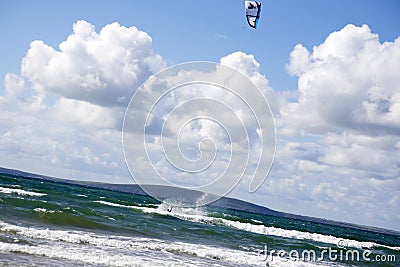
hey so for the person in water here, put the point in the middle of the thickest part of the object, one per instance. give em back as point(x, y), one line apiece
point(169, 209)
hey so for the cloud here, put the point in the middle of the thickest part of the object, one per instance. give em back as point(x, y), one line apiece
point(299, 60)
point(86, 114)
point(103, 68)
point(19, 96)
point(349, 93)
point(249, 66)
point(349, 82)
point(221, 36)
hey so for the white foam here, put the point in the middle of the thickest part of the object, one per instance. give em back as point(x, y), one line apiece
point(110, 218)
point(114, 204)
point(265, 230)
point(274, 231)
point(170, 250)
point(98, 256)
point(40, 210)
point(7, 190)
point(44, 210)
point(76, 253)
point(200, 215)
point(329, 239)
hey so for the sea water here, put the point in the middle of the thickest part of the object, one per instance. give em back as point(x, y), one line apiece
point(46, 223)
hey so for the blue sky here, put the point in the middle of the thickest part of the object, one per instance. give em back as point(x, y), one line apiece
point(332, 83)
point(201, 30)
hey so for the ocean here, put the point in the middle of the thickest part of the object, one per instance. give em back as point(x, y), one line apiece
point(47, 223)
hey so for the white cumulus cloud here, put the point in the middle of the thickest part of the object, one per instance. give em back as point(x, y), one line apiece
point(103, 68)
point(348, 82)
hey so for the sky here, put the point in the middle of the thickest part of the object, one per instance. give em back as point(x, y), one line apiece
point(329, 70)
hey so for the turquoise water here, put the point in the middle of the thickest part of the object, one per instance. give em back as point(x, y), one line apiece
point(44, 223)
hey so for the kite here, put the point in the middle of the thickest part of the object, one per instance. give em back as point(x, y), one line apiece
point(253, 10)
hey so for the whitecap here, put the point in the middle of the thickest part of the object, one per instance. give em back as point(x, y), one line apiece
point(7, 190)
point(199, 215)
point(89, 246)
